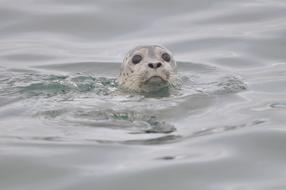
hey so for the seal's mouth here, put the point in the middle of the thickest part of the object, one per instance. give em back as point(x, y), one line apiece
point(155, 80)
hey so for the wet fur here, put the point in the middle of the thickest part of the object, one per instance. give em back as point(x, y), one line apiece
point(133, 77)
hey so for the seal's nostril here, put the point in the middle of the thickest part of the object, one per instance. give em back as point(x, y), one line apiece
point(154, 65)
point(151, 65)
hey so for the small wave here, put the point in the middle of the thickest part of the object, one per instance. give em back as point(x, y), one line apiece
point(87, 100)
point(134, 122)
point(278, 105)
point(220, 85)
point(63, 85)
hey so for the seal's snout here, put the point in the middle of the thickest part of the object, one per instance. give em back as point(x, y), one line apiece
point(154, 65)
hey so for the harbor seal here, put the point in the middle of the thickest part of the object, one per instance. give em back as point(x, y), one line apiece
point(147, 68)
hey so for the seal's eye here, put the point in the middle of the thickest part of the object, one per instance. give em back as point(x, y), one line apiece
point(166, 57)
point(136, 59)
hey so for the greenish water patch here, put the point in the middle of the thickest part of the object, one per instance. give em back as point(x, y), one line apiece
point(78, 84)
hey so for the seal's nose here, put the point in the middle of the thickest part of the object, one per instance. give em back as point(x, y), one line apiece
point(154, 65)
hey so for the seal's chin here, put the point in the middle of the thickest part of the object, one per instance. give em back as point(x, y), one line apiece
point(154, 84)
point(155, 80)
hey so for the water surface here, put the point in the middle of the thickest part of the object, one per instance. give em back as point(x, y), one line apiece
point(64, 123)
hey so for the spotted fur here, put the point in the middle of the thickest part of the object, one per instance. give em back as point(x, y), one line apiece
point(137, 77)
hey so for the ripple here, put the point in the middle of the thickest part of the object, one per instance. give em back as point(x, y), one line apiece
point(80, 99)
point(278, 105)
point(154, 141)
point(229, 128)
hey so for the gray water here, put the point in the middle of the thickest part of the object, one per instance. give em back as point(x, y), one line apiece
point(65, 124)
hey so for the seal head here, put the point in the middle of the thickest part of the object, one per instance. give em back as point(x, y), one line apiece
point(147, 68)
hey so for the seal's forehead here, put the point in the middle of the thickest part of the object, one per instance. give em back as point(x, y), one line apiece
point(151, 49)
